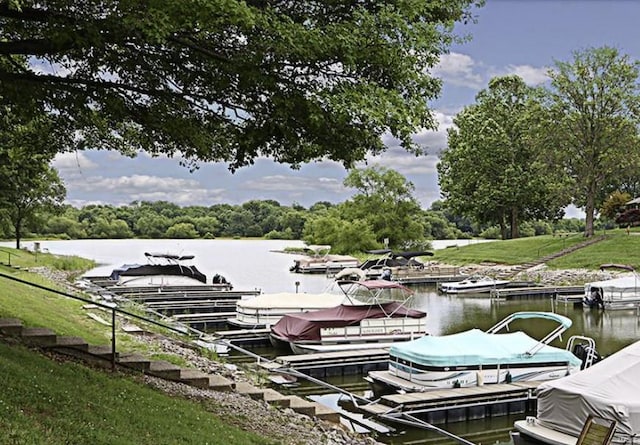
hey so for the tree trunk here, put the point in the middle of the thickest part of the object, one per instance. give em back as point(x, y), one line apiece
point(503, 228)
point(18, 228)
point(515, 228)
point(589, 214)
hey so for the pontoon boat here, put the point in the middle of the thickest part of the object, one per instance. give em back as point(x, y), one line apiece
point(475, 357)
point(375, 314)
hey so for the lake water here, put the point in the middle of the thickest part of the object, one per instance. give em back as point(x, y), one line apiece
point(259, 264)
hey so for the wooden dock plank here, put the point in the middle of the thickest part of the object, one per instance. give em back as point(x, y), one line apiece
point(535, 291)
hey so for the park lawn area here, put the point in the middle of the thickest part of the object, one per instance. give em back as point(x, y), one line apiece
point(44, 401)
point(618, 247)
point(514, 251)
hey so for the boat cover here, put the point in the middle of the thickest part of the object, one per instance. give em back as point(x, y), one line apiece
point(629, 283)
point(291, 300)
point(135, 270)
point(307, 325)
point(476, 347)
point(609, 389)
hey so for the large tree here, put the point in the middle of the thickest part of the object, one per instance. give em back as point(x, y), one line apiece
point(596, 100)
point(496, 169)
point(385, 200)
point(28, 184)
point(229, 80)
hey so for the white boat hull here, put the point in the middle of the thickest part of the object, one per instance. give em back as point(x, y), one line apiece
point(399, 380)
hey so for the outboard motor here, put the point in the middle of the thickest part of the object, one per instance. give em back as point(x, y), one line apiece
point(219, 279)
point(583, 351)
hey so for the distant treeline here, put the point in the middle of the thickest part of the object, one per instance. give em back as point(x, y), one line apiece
point(256, 218)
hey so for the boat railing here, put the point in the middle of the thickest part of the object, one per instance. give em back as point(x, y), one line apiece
point(590, 348)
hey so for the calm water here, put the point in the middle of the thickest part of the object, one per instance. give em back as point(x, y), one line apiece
point(252, 264)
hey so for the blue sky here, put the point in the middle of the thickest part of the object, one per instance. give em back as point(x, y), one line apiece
point(521, 37)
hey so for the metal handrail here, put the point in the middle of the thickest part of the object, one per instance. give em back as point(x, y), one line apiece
point(185, 330)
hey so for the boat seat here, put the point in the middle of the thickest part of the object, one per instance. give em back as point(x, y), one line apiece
point(597, 431)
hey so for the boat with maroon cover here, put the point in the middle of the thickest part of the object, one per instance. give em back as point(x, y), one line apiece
point(375, 314)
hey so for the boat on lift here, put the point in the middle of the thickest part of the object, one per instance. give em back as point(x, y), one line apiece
point(622, 292)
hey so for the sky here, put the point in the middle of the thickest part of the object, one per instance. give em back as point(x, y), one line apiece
point(523, 37)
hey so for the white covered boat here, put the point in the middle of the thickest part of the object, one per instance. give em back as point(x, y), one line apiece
point(618, 293)
point(163, 269)
point(267, 309)
point(318, 262)
point(375, 314)
point(474, 357)
point(610, 389)
point(472, 284)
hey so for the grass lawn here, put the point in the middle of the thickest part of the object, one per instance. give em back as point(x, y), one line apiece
point(618, 247)
point(46, 402)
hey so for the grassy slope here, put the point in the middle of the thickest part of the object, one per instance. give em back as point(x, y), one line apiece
point(40, 401)
point(618, 247)
point(43, 401)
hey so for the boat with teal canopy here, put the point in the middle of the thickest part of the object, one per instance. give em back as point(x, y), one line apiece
point(477, 357)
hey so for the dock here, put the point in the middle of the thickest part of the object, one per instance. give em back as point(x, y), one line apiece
point(457, 404)
point(509, 293)
point(329, 364)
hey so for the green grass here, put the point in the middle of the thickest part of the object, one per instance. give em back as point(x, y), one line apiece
point(618, 247)
point(43, 401)
point(25, 258)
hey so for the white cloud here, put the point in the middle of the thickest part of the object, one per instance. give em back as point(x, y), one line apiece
point(433, 141)
point(296, 184)
point(458, 69)
point(531, 75)
point(71, 162)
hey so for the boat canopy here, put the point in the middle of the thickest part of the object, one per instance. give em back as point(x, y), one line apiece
point(136, 270)
point(609, 389)
point(169, 256)
point(307, 325)
point(476, 347)
point(629, 282)
point(291, 300)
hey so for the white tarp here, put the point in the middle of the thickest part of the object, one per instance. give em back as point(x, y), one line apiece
point(609, 389)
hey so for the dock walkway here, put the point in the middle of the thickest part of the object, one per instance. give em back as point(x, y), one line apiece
point(457, 404)
point(328, 364)
point(509, 293)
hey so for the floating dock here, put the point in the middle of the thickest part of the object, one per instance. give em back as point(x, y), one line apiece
point(329, 364)
point(457, 404)
point(510, 293)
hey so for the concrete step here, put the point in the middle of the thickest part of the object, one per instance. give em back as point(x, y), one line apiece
point(219, 383)
point(273, 397)
point(102, 351)
point(39, 336)
point(68, 342)
point(325, 413)
point(249, 390)
point(165, 370)
point(194, 377)
point(10, 326)
point(135, 361)
point(302, 406)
